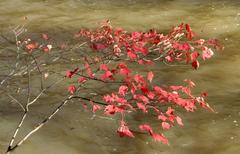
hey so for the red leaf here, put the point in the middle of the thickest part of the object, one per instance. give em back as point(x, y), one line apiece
point(112, 109)
point(207, 53)
point(165, 125)
point(122, 90)
point(160, 138)
point(95, 108)
point(194, 55)
point(124, 70)
point(143, 62)
point(170, 111)
point(176, 87)
point(142, 107)
point(131, 55)
point(179, 121)
point(150, 76)
point(89, 70)
point(123, 130)
point(31, 46)
point(82, 79)
point(45, 36)
point(69, 73)
point(162, 117)
point(136, 35)
point(138, 78)
point(45, 49)
point(189, 33)
point(195, 64)
point(146, 127)
point(200, 42)
point(71, 89)
point(103, 67)
point(99, 46)
point(107, 75)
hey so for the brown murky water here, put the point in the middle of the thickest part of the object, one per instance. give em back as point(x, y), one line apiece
point(74, 131)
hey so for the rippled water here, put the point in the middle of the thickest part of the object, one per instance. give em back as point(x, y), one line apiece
point(74, 131)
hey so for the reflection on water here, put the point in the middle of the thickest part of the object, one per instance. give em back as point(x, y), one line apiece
point(73, 131)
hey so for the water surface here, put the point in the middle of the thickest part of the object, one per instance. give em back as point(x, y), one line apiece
point(74, 131)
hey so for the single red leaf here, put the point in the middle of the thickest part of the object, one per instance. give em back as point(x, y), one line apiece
point(131, 55)
point(195, 64)
point(179, 120)
point(160, 138)
point(150, 76)
point(95, 108)
point(122, 90)
point(45, 36)
point(142, 107)
point(103, 67)
point(72, 89)
point(166, 125)
point(123, 131)
point(146, 127)
point(194, 55)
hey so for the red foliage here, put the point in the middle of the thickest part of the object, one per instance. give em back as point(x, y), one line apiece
point(135, 91)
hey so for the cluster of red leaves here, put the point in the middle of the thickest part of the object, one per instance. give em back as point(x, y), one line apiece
point(45, 46)
point(137, 92)
point(172, 47)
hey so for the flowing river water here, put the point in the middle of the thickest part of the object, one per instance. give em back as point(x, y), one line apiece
point(75, 131)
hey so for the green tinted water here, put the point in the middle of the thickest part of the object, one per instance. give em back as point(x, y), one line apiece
point(73, 131)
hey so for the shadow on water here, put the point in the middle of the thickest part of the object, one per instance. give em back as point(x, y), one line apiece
point(73, 130)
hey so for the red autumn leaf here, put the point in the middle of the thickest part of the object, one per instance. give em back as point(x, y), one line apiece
point(69, 73)
point(150, 76)
point(45, 36)
point(124, 70)
point(146, 127)
point(112, 109)
point(200, 42)
point(170, 111)
point(72, 89)
point(189, 33)
point(179, 120)
point(166, 125)
point(151, 95)
point(99, 46)
point(194, 55)
point(145, 62)
point(103, 67)
point(142, 107)
point(141, 49)
point(169, 58)
point(207, 53)
point(195, 64)
point(176, 87)
point(142, 98)
point(82, 79)
point(95, 108)
point(162, 117)
point(204, 94)
point(123, 131)
point(138, 78)
point(107, 75)
point(122, 90)
point(132, 55)
point(89, 70)
point(45, 49)
point(32, 46)
point(185, 47)
point(160, 138)
point(136, 35)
